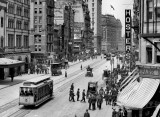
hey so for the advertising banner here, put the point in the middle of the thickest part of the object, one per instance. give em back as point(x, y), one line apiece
point(128, 36)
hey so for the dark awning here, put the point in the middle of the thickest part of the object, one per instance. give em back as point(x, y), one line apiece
point(8, 63)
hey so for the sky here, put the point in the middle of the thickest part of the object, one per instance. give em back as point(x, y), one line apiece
point(119, 9)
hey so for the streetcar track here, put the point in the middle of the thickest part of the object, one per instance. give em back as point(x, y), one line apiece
point(57, 92)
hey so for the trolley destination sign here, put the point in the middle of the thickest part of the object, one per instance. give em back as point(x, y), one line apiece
point(149, 71)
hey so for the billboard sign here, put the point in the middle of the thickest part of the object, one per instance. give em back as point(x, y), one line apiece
point(128, 35)
point(58, 14)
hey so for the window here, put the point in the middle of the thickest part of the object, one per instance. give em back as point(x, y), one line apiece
point(39, 47)
point(92, 9)
point(92, 14)
point(92, 0)
point(26, 12)
point(40, 2)
point(19, 24)
point(149, 54)
point(35, 19)
point(40, 10)
point(19, 10)
point(35, 10)
point(10, 23)
point(11, 8)
point(18, 41)
point(26, 25)
point(26, 2)
point(40, 28)
point(36, 48)
point(1, 21)
point(10, 40)
point(40, 19)
point(92, 4)
point(35, 2)
point(35, 28)
point(26, 41)
point(37, 39)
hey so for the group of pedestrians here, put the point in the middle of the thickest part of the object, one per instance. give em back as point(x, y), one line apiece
point(72, 95)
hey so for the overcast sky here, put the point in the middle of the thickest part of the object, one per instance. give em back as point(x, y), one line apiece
point(119, 9)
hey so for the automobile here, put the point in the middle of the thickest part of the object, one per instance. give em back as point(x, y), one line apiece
point(56, 69)
point(89, 72)
point(92, 88)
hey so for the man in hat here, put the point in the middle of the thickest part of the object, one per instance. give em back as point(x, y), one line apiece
point(83, 96)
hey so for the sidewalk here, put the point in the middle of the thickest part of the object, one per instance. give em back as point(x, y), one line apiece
point(18, 79)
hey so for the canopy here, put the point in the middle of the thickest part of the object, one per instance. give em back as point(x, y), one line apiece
point(138, 93)
point(8, 63)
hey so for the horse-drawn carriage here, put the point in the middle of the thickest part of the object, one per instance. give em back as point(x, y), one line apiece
point(89, 72)
point(92, 88)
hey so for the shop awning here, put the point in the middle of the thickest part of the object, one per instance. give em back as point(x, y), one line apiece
point(138, 93)
point(8, 63)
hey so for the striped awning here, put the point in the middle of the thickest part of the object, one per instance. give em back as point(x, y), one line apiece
point(138, 94)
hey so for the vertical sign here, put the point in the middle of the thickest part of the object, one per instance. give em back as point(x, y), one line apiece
point(128, 35)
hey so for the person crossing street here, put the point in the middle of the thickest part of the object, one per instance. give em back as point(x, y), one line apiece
point(83, 96)
point(78, 94)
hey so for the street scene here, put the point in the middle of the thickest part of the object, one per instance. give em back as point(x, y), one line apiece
point(79, 58)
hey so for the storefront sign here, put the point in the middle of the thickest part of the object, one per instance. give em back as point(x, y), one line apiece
point(149, 71)
point(128, 34)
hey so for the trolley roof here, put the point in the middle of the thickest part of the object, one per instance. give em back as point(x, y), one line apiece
point(37, 80)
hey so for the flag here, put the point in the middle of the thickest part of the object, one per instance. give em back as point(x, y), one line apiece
point(112, 7)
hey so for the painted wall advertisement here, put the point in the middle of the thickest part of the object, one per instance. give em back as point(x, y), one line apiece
point(58, 16)
point(128, 35)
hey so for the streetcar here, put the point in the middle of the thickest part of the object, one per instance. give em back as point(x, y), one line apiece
point(36, 91)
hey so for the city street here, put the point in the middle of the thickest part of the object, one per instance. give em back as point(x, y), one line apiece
point(59, 106)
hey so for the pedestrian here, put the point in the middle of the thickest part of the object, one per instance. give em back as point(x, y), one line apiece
point(72, 86)
point(83, 96)
point(106, 98)
point(114, 113)
point(99, 101)
point(90, 101)
point(94, 102)
point(66, 74)
point(101, 91)
point(12, 72)
point(86, 114)
point(81, 66)
point(72, 96)
point(78, 94)
point(29, 71)
point(120, 113)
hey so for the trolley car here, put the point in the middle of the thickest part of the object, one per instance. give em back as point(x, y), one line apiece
point(36, 91)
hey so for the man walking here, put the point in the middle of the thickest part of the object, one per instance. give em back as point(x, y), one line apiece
point(78, 94)
point(90, 101)
point(83, 96)
point(86, 114)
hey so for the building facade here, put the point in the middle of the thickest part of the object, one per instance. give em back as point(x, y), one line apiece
point(111, 33)
point(95, 8)
point(64, 22)
point(15, 29)
point(42, 28)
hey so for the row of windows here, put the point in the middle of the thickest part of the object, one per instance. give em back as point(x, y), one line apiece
point(18, 24)
point(36, 10)
point(19, 10)
point(23, 1)
point(36, 18)
point(37, 47)
point(36, 2)
point(36, 28)
point(37, 38)
point(18, 41)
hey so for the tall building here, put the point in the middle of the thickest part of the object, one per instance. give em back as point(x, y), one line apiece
point(112, 28)
point(15, 29)
point(95, 7)
point(42, 28)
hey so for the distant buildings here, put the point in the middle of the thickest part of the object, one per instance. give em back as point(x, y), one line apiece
point(42, 29)
point(111, 37)
point(95, 8)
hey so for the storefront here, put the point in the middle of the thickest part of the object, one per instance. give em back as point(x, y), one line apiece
point(6, 65)
point(140, 91)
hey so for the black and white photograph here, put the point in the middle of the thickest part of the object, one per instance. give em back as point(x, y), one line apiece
point(79, 58)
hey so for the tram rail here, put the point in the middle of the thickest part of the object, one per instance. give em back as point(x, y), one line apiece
point(22, 112)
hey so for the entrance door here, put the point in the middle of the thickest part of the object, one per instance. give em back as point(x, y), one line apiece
point(2, 73)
